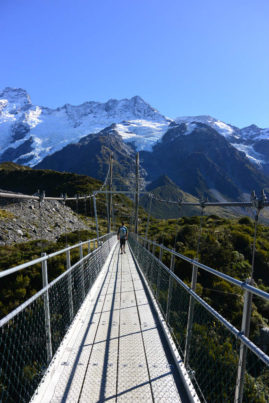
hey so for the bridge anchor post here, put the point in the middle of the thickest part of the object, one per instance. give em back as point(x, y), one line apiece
point(46, 309)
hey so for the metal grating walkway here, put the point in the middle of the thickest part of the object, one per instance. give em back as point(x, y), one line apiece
point(114, 350)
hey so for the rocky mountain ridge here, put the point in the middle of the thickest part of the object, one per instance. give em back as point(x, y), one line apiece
point(29, 133)
point(90, 156)
point(203, 161)
point(252, 140)
point(200, 162)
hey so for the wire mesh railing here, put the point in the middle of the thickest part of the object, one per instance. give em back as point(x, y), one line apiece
point(213, 349)
point(31, 334)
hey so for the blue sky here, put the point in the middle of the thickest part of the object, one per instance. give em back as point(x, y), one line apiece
point(184, 57)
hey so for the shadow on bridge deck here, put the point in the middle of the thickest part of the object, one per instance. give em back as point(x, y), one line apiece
point(115, 349)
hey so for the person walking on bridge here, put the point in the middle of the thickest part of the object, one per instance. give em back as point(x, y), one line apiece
point(122, 237)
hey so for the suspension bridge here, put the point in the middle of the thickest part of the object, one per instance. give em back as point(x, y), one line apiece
point(125, 327)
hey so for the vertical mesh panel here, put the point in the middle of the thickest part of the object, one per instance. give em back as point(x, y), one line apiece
point(256, 388)
point(178, 315)
point(23, 352)
point(23, 355)
point(214, 350)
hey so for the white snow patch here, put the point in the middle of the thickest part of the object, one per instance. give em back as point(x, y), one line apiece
point(223, 128)
point(32, 117)
point(190, 128)
point(143, 133)
point(254, 157)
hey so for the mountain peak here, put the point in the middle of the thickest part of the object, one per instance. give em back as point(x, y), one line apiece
point(251, 128)
point(138, 98)
point(17, 96)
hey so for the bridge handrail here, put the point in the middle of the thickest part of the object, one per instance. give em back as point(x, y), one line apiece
point(32, 332)
point(238, 334)
point(198, 328)
point(22, 266)
point(232, 280)
point(21, 307)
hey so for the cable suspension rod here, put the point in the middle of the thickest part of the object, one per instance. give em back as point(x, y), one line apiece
point(96, 192)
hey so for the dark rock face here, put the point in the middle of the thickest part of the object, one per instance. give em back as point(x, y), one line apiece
point(199, 162)
point(90, 156)
point(262, 147)
point(164, 188)
point(12, 154)
point(19, 131)
point(202, 160)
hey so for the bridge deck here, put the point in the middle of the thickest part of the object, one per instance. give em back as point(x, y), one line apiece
point(114, 350)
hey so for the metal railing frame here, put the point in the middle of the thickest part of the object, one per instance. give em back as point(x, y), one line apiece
point(242, 284)
point(248, 288)
point(46, 285)
point(44, 292)
point(22, 266)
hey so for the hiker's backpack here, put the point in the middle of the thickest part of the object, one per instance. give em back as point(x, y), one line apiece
point(123, 232)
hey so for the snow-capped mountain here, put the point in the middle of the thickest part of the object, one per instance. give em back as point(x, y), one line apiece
point(29, 132)
point(228, 131)
point(202, 161)
point(245, 140)
point(199, 162)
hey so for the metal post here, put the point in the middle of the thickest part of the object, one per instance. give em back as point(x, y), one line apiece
point(147, 266)
point(149, 212)
point(159, 273)
point(96, 218)
point(82, 276)
point(245, 328)
point(152, 263)
point(69, 286)
point(89, 247)
point(96, 259)
point(193, 287)
point(110, 194)
point(190, 315)
point(169, 297)
point(46, 309)
point(136, 193)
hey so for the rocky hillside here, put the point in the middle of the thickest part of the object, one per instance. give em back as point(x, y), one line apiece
point(20, 220)
point(23, 220)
